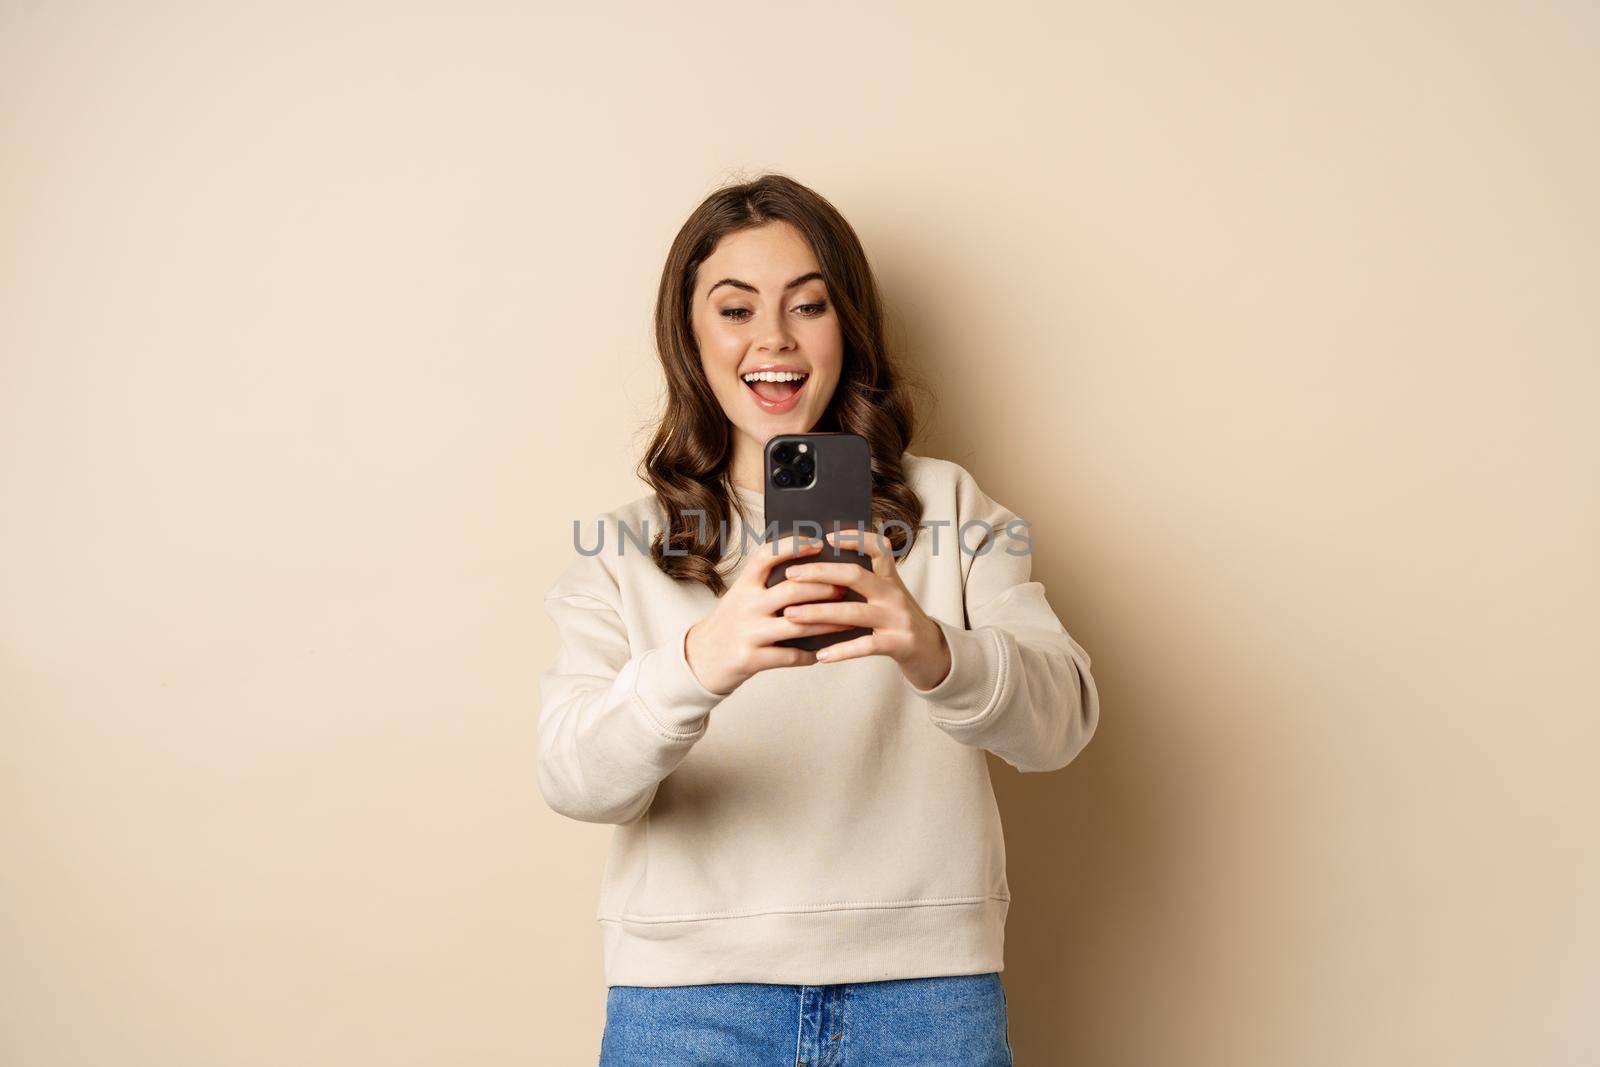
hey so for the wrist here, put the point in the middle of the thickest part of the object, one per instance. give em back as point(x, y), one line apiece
point(933, 666)
point(709, 683)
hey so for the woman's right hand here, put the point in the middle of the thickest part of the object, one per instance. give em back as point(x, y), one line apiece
point(735, 641)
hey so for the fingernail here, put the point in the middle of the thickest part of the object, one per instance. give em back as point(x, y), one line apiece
point(822, 654)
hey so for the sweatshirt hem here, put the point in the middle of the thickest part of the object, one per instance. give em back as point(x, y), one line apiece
point(822, 945)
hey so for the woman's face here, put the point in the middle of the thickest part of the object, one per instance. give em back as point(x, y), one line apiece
point(760, 305)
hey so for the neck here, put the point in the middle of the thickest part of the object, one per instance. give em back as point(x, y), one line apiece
point(746, 467)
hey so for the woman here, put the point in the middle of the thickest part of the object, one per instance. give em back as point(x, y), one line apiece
point(808, 865)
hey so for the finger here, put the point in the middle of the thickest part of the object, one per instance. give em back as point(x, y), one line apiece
point(851, 612)
point(873, 544)
point(789, 591)
point(782, 629)
point(775, 656)
point(851, 575)
point(855, 648)
point(786, 546)
point(772, 553)
point(866, 542)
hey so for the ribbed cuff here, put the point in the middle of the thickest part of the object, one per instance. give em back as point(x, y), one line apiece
point(977, 675)
point(670, 693)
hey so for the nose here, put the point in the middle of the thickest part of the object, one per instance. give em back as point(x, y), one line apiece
point(775, 336)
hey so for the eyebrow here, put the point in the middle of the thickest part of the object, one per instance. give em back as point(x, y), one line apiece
point(747, 287)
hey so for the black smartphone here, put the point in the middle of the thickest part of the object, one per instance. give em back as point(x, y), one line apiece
point(816, 482)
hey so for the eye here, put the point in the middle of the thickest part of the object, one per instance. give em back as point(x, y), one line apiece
point(810, 311)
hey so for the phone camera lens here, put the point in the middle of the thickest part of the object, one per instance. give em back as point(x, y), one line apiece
point(782, 478)
point(805, 465)
point(783, 453)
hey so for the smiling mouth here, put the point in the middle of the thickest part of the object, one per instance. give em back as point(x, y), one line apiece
point(775, 391)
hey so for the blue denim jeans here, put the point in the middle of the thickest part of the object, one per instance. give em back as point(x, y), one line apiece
point(956, 1021)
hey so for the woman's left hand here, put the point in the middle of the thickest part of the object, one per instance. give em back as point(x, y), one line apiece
point(900, 628)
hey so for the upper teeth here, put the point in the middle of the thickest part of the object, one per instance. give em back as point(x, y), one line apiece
point(774, 376)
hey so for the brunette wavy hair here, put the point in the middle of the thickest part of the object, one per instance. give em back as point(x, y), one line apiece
point(689, 457)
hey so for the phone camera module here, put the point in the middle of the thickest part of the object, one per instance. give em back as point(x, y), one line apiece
point(793, 466)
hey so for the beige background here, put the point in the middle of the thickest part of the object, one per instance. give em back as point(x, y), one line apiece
point(320, 322)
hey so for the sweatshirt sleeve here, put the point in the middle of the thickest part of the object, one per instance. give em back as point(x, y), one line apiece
point(1019, 685)
point(612, 722)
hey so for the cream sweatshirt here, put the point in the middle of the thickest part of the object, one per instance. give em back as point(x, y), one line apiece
point(820, 824)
